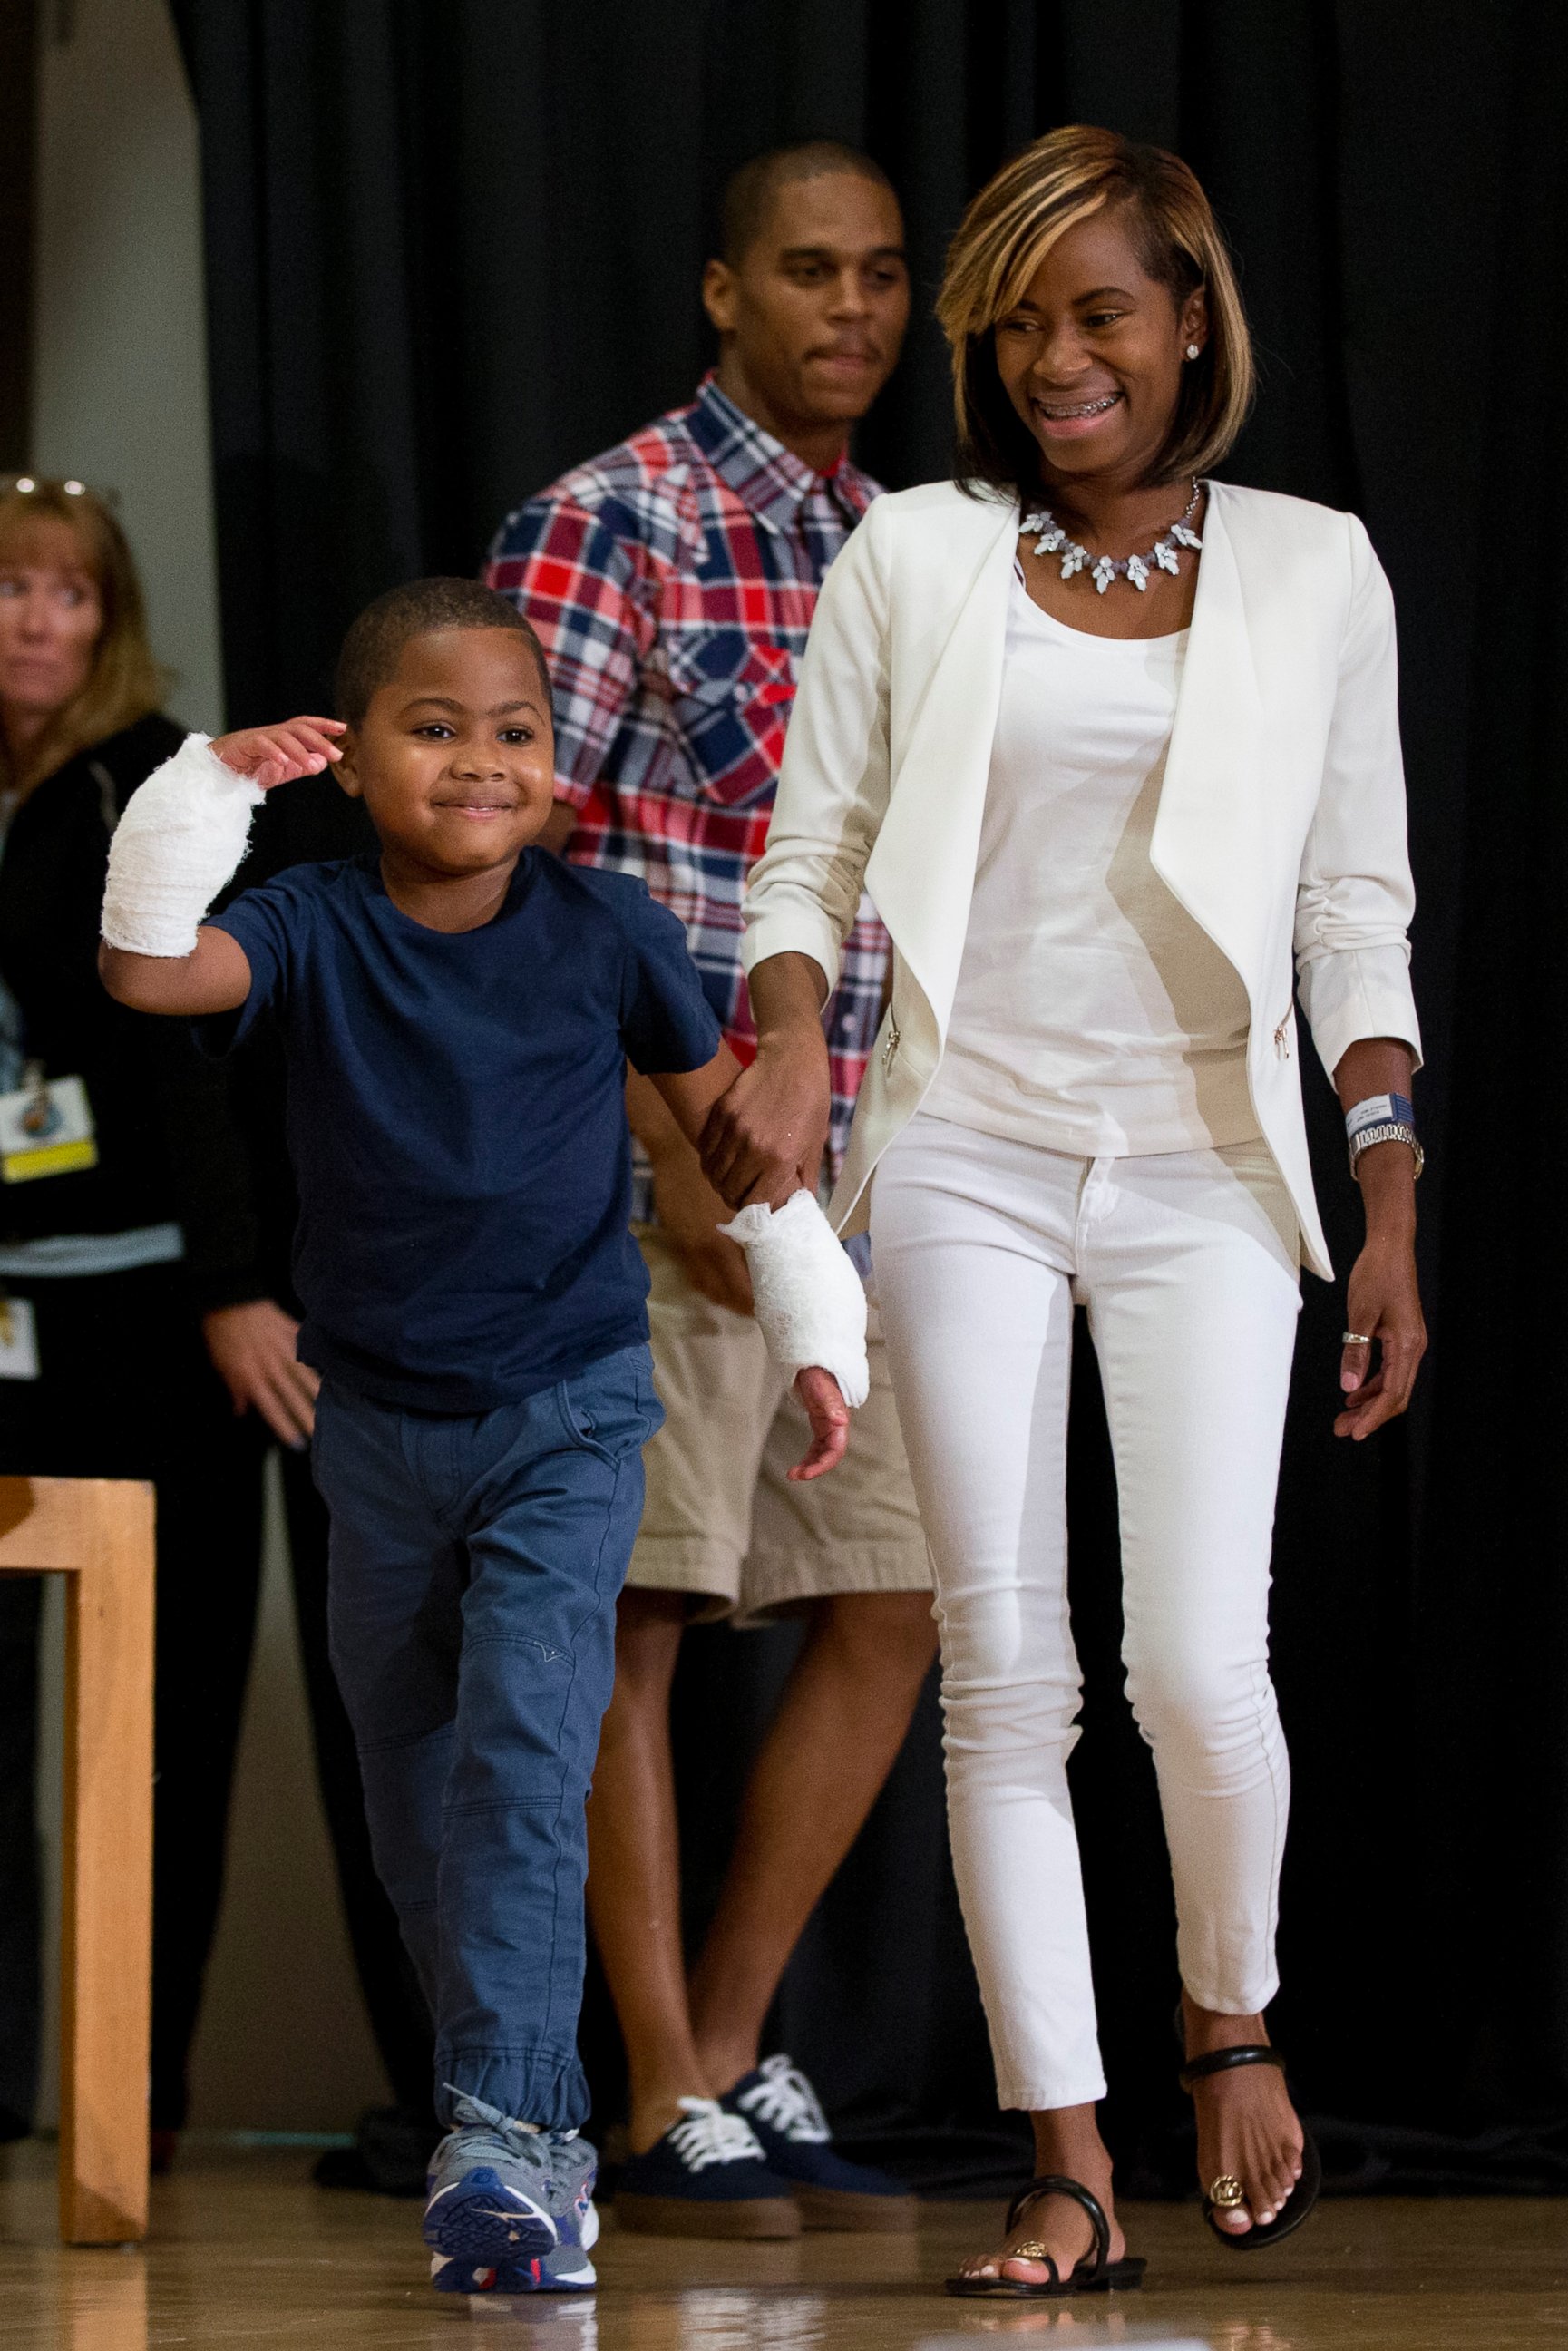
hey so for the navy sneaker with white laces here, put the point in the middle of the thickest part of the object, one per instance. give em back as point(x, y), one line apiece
point(706, 2178)
point(784, 2111)
point(509, 2209)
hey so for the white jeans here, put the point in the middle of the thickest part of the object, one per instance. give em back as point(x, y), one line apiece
point(1189, 1266)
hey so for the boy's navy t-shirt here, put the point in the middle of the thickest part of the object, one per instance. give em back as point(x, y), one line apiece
point(457, 1120)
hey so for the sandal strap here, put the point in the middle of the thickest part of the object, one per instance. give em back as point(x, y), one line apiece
point(1220, 2061)
point(1056, 2183)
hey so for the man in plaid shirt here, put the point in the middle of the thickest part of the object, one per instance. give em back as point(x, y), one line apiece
point(672, 581)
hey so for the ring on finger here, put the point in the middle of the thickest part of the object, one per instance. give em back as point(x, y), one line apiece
point(1356, 1339)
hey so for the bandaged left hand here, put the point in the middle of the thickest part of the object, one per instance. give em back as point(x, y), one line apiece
point(811, 1310)
point(830, 1418)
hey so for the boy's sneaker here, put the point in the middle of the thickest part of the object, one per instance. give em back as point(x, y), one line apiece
point(783, 2111)
point(565, 2271)
point(509, 2209)
point(706, 2178)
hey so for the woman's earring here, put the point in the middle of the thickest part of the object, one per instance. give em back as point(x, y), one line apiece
point(1192, 350)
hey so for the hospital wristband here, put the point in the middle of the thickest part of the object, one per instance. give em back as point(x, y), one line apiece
point(1378, 1110)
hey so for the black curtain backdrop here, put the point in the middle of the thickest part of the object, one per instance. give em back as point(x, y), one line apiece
point(453, 248)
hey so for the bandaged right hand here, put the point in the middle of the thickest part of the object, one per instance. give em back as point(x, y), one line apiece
point(276, 755)
point(185, 829)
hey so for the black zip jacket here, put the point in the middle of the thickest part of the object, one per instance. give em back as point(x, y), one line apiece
point(168, 1145)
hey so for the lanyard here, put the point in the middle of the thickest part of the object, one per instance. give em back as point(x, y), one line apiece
point(13, 1057)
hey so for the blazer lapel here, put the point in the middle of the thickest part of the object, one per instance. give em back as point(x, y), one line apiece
point(921, 873)
point(1210, 844)
point(1211, 837)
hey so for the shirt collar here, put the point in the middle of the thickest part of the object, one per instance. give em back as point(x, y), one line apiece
point(769, 479)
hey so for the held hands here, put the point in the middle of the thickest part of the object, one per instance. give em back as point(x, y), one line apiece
point(276, 755)
point(765, 1138)
point(786, 1268)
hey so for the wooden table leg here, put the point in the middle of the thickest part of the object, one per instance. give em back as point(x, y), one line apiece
point(98, 1533)
point(107, 1894)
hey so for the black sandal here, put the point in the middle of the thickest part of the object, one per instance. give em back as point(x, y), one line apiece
point(1095, 2273)
point(1302, 2196)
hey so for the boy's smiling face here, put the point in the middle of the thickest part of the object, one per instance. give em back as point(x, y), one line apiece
point(454, 758)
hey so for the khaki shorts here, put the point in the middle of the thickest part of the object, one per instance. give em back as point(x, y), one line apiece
point(722, 1521)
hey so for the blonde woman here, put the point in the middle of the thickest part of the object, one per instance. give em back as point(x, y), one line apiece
point(127, 1238)
point(1113, 747)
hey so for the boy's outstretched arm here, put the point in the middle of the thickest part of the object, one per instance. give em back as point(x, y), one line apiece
point(214, 977)
point(181, 838)
point(690, 1095)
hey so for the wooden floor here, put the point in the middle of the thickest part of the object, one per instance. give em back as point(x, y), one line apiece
point(245, 2251)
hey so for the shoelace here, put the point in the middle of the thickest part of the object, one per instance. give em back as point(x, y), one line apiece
point(526, 2147)
point(787, 2102)
point(711, 2136)
point(497, 2134)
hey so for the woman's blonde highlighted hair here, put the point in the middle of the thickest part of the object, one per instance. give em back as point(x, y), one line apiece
point(125, 683)
point(1005, 235)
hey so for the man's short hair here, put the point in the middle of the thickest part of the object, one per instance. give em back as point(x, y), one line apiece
point(373, 646)
point(748, 193)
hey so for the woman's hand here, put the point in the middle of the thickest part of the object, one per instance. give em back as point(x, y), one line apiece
point(252, 1348)
point(830, 1418)
point(765, 1138)
point(276, 755)
point(1383, 1302)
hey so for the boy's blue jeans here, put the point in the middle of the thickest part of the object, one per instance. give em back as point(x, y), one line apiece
point(474, 1567)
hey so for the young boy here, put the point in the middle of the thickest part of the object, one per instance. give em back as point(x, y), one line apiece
point(458, 1013)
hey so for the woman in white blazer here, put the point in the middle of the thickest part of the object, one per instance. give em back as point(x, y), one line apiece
point(1114, 748)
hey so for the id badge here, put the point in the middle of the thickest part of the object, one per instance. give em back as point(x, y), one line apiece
point(18, 1340)
point(45, 1128)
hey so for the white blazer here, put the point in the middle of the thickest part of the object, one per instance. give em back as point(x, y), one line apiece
point(1281, 820)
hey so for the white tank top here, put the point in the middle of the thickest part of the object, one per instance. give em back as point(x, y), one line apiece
point(1093, 1015)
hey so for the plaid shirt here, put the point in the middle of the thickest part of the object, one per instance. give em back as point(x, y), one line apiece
point(672, 582)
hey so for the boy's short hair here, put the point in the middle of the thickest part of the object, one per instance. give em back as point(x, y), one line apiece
point(373, 646)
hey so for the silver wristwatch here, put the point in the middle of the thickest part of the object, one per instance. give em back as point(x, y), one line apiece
point(1391, 1131)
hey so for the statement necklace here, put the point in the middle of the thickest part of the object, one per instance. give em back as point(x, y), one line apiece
point(1104, 568)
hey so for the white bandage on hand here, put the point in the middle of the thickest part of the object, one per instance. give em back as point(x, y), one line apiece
point(179, 840)
point(811, 1306)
